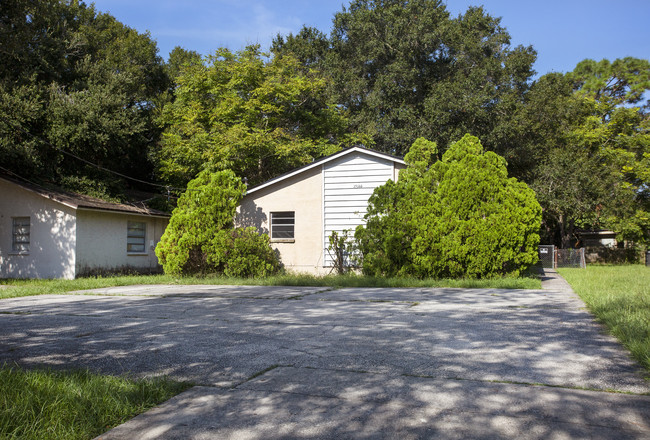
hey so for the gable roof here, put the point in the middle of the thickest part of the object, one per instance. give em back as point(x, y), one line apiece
point(80, 201)
point(324, 160)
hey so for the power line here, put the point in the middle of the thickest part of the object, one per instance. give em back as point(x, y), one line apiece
point(132, 203)
point(48, 143)
point(19, 177)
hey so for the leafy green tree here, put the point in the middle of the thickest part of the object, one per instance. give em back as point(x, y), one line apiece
point(595, 176)
point(201, 238)
point(259, 118)
point(460, 216)
point(81, 81)
point(179, 59)
point(571, 185)
point(406, 68)
point(309, 46)
point(612, 84)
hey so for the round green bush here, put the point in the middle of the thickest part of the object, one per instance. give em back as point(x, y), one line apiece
point(457, 217)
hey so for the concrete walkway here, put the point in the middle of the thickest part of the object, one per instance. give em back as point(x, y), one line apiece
point(286, 362)
point(551, 280)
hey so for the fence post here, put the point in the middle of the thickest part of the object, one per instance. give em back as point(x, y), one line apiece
point(583, 262)
point(554, 258)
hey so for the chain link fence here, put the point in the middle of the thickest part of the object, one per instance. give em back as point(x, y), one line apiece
point(570, 258)
point(551, 257)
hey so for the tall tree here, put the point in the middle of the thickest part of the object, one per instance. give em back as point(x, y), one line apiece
point(593, 172)
point(406, 68)
point(179, 59)
point(618, 130)
point(257, 117)
point(88, 85)
point(310, 46)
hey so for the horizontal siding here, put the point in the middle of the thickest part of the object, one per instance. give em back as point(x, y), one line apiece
point(336, 209)
point(348, 183)
point(356, 197)
point(347, 179)
point(346, 172)
point(344, 215)
point(343, 204)
point(348, 192)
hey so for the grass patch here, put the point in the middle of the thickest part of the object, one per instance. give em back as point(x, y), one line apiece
point(46, 404)
point(16, 288)
point(619, 296)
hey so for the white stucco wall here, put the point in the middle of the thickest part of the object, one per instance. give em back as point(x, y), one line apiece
point(331, 196)
point(303, 195)
point(101, 241)
point(52, 235)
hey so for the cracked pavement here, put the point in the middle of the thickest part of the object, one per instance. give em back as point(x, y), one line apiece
point(311, 362)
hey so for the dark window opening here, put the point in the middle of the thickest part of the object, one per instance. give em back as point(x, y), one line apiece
point(282, 224)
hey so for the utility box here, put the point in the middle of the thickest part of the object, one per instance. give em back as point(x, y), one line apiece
point(547, 256)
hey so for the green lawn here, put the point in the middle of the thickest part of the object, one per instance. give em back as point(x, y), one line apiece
point(619, 296)
point(44, 404)
point(15, 288)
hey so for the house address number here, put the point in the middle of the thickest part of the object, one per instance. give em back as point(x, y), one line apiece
point(357, 186)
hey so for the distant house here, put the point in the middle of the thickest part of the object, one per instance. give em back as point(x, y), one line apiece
point(54, 234)
point(299, 210)
point(598, 238)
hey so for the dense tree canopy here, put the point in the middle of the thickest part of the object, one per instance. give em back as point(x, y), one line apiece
point(594, 173)
point(80, 81)
point(75, 81)
point(259, 118)
point(406, 69)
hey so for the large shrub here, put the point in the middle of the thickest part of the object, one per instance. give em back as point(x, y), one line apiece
point(200, 237)
point(458, 217)
point(243, 252)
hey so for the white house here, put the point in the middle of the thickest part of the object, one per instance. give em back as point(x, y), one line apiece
point(55, 234)
point(300, 209)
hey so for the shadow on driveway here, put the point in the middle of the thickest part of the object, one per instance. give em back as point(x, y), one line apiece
point(308, 363)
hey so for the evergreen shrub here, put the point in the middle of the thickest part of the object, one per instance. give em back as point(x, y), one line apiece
point(201, 238)
point(457, 217)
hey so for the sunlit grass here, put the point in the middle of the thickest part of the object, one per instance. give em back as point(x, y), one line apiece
point(619, 296)
point(16, 288)
point(46, 404)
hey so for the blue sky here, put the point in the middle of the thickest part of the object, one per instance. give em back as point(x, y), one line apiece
point(562, 32)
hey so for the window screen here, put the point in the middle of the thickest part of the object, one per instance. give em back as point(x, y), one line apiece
point(135, 237)
point(20, 234)
point(282, 224)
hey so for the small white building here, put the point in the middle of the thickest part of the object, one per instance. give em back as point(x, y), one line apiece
point(598, 238)
point(300, 209)
point(55, 234)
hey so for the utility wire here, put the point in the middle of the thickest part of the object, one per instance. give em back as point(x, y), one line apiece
point(48, 143)
point(132, 203)
point(19, 177)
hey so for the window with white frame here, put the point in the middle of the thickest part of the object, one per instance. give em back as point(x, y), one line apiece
point(20, 234)
point(136, 237)
point(283, 225)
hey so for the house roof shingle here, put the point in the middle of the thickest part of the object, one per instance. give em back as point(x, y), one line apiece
point(80, 201)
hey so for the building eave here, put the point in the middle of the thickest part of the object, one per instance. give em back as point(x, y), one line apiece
point(322, 161)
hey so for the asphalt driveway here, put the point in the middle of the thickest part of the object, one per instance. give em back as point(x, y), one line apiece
point(291, 362)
